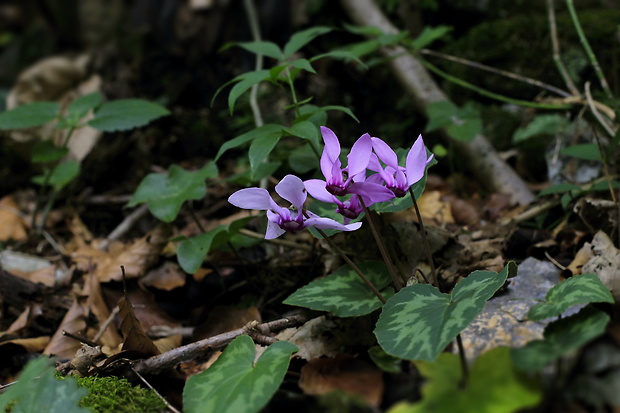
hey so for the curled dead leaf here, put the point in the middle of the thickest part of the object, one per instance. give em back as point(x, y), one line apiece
point(12, 224)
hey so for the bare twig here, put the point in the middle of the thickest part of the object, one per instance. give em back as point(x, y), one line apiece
point(555, 45)
point(122, 228)
point(192, 351)
point(500, 72)
point(168, 405)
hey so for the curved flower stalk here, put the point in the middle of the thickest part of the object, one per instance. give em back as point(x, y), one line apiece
point(349, 180)
point(398, 178)
point(281, 219)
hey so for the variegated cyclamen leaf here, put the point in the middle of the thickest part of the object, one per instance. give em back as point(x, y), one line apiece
point(419, 321)
point(343, 293)
point(580, 289)
point(234, 383)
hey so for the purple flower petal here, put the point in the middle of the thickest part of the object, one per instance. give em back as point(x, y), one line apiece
point(316, 188)
point(327, 223)
point(293, 190)
point(385, 153)
point(251, 198)
point(416, 162)
point(360, 155)
point(371, 192)
point(273, 228)
point(332, 145)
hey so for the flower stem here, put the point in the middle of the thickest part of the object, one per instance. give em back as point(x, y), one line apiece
point(464, 367)
point(352, 265)
point(425, 240)
point(396, 279)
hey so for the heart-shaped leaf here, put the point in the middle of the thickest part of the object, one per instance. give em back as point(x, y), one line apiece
point(494, 386)
point(561, 337)
point(419, 321)
point(164, 193)
point(580, 289)
point(343, 293)
point(235, 383)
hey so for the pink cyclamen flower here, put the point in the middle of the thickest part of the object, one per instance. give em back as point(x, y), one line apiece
point(350, 180)
point(398, 178)
point(280, 219)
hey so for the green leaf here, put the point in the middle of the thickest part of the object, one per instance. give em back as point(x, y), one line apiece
point(303, 159)
point(305, 130)
point(61, 175)
point(268, 49)
point(587, 151)
point(384, 361)
point(577, 290)
point(28, 115)
point(494, 386)
point(541, 125)
point(303, 64)
point(164, 193)
point(82, 105)
point(462, 124)
point(126, 114)
point(300, 39)
point(429, 35)
point(260, 148)
point(560, 338)
point(370, 31)
point(244, 83)
point(192, 251)
point(234, 383)
point(39, 391)
point(343, 293)
point(46, 151)
point(419, 321)
point(559, 189)
point(269, 129)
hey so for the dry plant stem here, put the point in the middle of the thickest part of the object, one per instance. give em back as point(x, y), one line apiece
point(352, 265)
point(427, 246)
point(555, 45)
point(106, 324)
point(168, 405)
point(396, 279)
point(127, 223)
point(169, 359)
point(592, 105)
point(478, 155)
point(588, 49)
point(500, 72)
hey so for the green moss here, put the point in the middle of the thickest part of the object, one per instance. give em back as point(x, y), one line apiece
point(112, 394)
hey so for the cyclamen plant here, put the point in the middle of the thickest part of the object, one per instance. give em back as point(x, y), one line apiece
point(389, 182)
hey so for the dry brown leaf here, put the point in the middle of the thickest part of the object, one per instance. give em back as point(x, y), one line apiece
point(31, 345)
point(432, 208)
point(11, 223)
point(356, 377)
point(464, 213)
point(582, 256)
point(137, 257)
point(73, 322)
point(222, 319)
point(25, 318)
point(166, 277)
point(168, 343)
point(135, 339)
point(45, 276)
point(604, 262)
point(97, 305)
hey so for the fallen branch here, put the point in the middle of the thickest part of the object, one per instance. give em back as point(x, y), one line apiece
point(169, 359)
point(479, 155)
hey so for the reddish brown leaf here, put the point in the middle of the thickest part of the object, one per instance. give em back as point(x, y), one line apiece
point(135, 339)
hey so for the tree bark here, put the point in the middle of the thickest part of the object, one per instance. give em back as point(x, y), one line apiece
point(479, 155)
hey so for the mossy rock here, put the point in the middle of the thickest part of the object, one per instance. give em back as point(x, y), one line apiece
point(522, 44)
point(113, 394)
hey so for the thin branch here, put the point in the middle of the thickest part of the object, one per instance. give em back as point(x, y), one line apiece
point(586, 46)
point(168, 405)
point(500, 72)
point(555, 45)
point(169, 359)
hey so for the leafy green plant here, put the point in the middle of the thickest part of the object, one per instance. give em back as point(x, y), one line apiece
point(111, 116)
point(236, 383)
